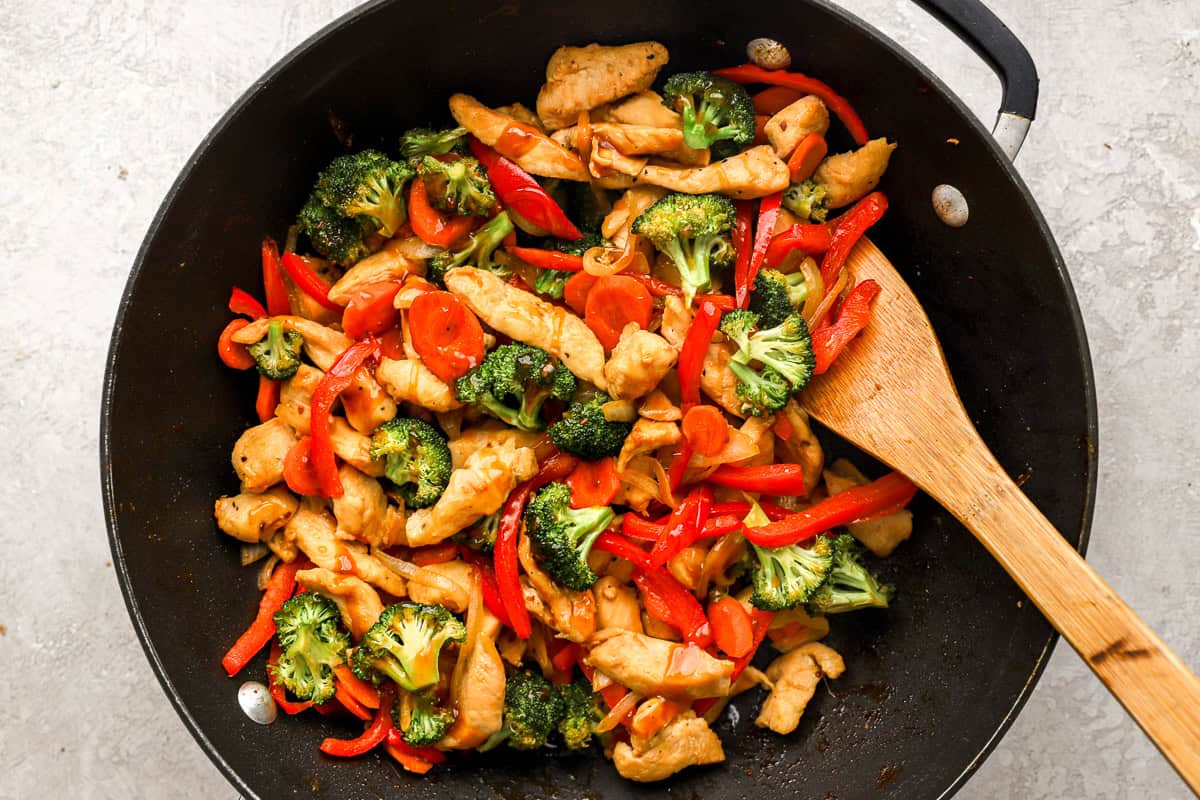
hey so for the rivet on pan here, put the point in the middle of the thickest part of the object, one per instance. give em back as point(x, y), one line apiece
point(257, 703)
point(950, 205)
point(768, 54)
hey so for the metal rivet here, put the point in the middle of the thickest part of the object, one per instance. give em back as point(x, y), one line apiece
point(950, 205)
point(768, 54)
point(257, 703)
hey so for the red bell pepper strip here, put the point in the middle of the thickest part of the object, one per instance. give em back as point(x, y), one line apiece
point(772, 100)
point(691, 354)
point(759, 620)
point(232, 354)
point(740, 508)
point(621, 547)
point(843, 508)
point(660, 288)
point(847, 230)
point(683, 526)
point(828, 341)
point(741, 235)
point(487, 584)
point(749, 73)
point(548, 259)
point(279, 589)
point(242, 302)
point(781, 480)
point(375, 734)
point(336, 380)
point(768, 212)
point(430, 225)
point(278, 693)
point(809, 238)
point(679, 462)
point(267, 399)
point(309, 282)
point(273, 286)
point(667, 600)
point(366, 694)
point(350, 703)
point(414, 759)
point(519, 192)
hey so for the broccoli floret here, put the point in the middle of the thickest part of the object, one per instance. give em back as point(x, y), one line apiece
point(714, 109)
point(417, 143)
point(762, 392)
point(807, 200)
point(416, 459)
point(428, 721)
point(459, 185)
point(404, 645)
point(851, 586)
point(552, 282)
point(579, 715)
point(367, 186)
point(478, 252)
point(583, 431)
point(776, 295)
point(788, 576)
point(277, 355)
point(482, 535)
point(785, 348)
point(562, 536)
point(691, 230)
point(342, 240)
point(513, 383)
point(532, 710)
point(312, 645)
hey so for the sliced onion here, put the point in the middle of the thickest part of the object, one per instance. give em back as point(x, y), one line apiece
point(618, 712)
point(648, 475)
point(814, 286)
point(727, 550)
point(583, 134)
point(619, 411)
point(828, 300)
point(602, 261)
point(413, 247)
point(264, 572)
point(253, 552)
point(423, 576)
point(659, 408)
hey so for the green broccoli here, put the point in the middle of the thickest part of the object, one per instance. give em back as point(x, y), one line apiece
point(579, 717)
point(427, 723)
point(482, 535)
point(478, 252)
point(691, 230)
point(851, 586)
point(762, 392)
point(563, 536)
point(785, 348)
point(807, 200)
point(714, 109)
point(404, 645)
point(776, 295)
point(788, 576)
point(583, 431)
point(513, 383)
point(552, 282)
point(368, 186)
point(342, 240)
point(416, 459)
point(459, 185)
point(532, 710)
point(277, 354)
point(312, 645)
point(417, 143)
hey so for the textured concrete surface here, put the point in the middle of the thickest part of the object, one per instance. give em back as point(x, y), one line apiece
point(104, 100)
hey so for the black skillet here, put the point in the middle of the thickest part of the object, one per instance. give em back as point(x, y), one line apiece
point(931, 684)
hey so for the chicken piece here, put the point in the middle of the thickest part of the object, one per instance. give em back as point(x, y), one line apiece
point(359, 603)
point(479, 488)
point(794, 627)
point(643, 108)
point(479, 701)
point(581, 78)
point(259, 452)
point(619, 220)
point(394, 520)
point(490, 434)
point(638, 363)
point(542, 155)
point(460, 573)
point(761, 432)
point(283, 544)
point(527, 318)
point(252, 518)
point(410, 381)
point(354, 448)
point(522, 113)
point(788, 127)
point(295, 398)
point(646, 437)
point(572, 614)
point(389, 264)
point(802, 446)
point(651, 666)
point(676, 320)
point(757, 172)
point(316, 534)
point(847, 177)
point(361, 511)
point(685, 741)
point(630, 140)
point(749, 678)
point(717, 379)
point(687, 566)
point(617, 605)
point(366, 403)
point(881, 536)
point(605, 162)
point(511, 647)
point(658, 407)
point(796, 676)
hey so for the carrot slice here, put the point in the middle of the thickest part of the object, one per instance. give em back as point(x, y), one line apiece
point(807, 156)
point(705, 429)
point(594, 483)
point(614, 302)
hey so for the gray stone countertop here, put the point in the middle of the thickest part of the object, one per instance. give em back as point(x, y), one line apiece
point(105, 99)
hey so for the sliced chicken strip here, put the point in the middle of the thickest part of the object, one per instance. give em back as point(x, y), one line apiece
point(638, 363)
point(490, 435)
point(572, 614)
point(295, 398)
point(410, 381)
point(685, 741)
point(259, 452)
point(253, 518)
point(459, 573)
point(542, 155)
point(359, 603)
point(651, 666)
point(316, 534)
point(796, 676)
point(646, 437)
point(389, 264)
point(522, 113)
point(757, 172)
point(643, 108)
point(848, 177)
point(717, 379)
point(617, 605)
point(581, 78)
point(361, 511)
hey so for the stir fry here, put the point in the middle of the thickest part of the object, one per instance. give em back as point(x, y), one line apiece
point(531, 469)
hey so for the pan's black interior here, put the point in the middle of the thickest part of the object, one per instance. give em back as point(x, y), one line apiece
point(929, 684)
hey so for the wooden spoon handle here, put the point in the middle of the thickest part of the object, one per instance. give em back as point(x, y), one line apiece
point(1147, 678)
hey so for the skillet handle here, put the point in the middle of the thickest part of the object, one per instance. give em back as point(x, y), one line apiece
point(991, 39)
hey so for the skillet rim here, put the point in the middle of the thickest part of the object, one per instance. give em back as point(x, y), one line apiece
point(350, 17)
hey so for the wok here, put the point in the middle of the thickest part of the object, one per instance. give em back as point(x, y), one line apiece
point(931, 683)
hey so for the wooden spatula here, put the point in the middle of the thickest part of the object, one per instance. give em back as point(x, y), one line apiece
point(890, 393)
